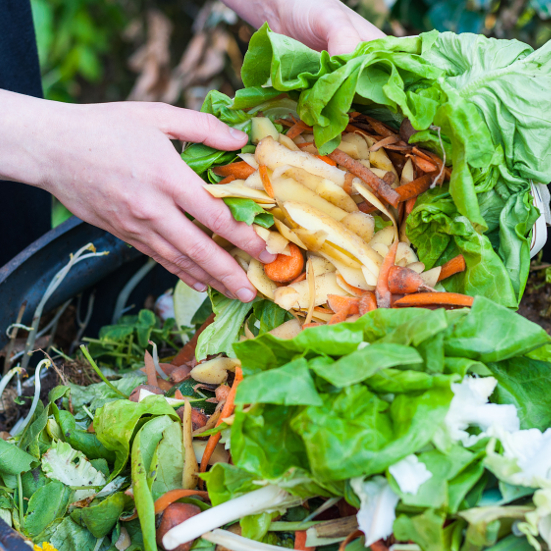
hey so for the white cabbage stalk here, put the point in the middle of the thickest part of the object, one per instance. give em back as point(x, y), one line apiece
point(269, 498)
point(233, 542)
point(378, 507)
point(470, 407)
point(410, 474)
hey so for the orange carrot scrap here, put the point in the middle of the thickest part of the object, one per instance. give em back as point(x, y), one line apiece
point(339, 303)
point(227, 180)
point(453, 266)
point(285, 268)
point(187, 352)
point(351, 537)
point(389, 140)
point(416, 187)
point(150, 370)
point(338, 317)
point(300, 541)
point(368, 303)
point(382, 292)
point(174, 495)
point(451, 300)
point(410, 205)
point(327, 160)
point(263, 170)
point(366, 208)
point(311, 324)
point(423, 164)
point(299, 278)
point(227, 410)
point(178, 395)
point(380, 187)
point(240, 170)
point(403, 281)
point(304, 145)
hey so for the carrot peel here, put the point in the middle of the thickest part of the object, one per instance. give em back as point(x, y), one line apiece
point(420, 300)
point(227, 410)
point(174, 495)
point(241, 170)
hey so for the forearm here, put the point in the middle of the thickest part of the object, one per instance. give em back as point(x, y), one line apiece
point(22, 140)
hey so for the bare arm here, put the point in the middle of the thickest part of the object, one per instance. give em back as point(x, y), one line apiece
point(320, 24)
point(113, 165)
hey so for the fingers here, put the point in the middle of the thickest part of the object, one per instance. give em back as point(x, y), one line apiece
point(184, 245)
point(345, 30)
point(192, 126)
point(214, 214)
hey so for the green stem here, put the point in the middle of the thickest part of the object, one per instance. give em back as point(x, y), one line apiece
point(98, 371)
point(291, 526)
point(20, 496)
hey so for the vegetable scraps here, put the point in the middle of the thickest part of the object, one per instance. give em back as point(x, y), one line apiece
point(454, 126)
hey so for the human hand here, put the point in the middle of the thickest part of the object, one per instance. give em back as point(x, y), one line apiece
point(320, 24)
point(113, 165)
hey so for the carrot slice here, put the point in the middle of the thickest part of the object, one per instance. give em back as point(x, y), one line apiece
point(174, 495)
point(380, 187)
point(382, 292)
point(240, 170)
point(368, 302)
point(326, 159)
point(227, 180)
point(286, 268)
point(416, 187)
point(300, 541)
point(227, 410)
point(299, 278)
point(263, 170)
point(453, 266)
point(187, 352)
point(452, 300)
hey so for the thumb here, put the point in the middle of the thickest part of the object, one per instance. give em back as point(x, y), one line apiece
point(192, 126)
point(343, 41)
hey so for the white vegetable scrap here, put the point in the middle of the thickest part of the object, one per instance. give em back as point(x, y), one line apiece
point(269, 498)
point(526, 459)
point(64, 463)
point(470, 407)
point(410, 474)
point(378, 507)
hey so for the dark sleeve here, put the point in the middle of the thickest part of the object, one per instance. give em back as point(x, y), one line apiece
point(26, 211)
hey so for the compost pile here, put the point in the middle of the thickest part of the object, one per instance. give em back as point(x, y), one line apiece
point(330, 413)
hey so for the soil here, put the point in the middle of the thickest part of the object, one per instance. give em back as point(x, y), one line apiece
point(536, 302)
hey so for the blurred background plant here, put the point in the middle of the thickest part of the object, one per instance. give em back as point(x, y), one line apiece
point(177, 50)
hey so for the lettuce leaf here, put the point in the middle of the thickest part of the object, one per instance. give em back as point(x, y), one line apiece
point(489, 100)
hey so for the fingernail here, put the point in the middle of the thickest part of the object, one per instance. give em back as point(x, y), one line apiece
point(237, 134)
point(245, 295)
point(267, 257)
point(200, 287)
